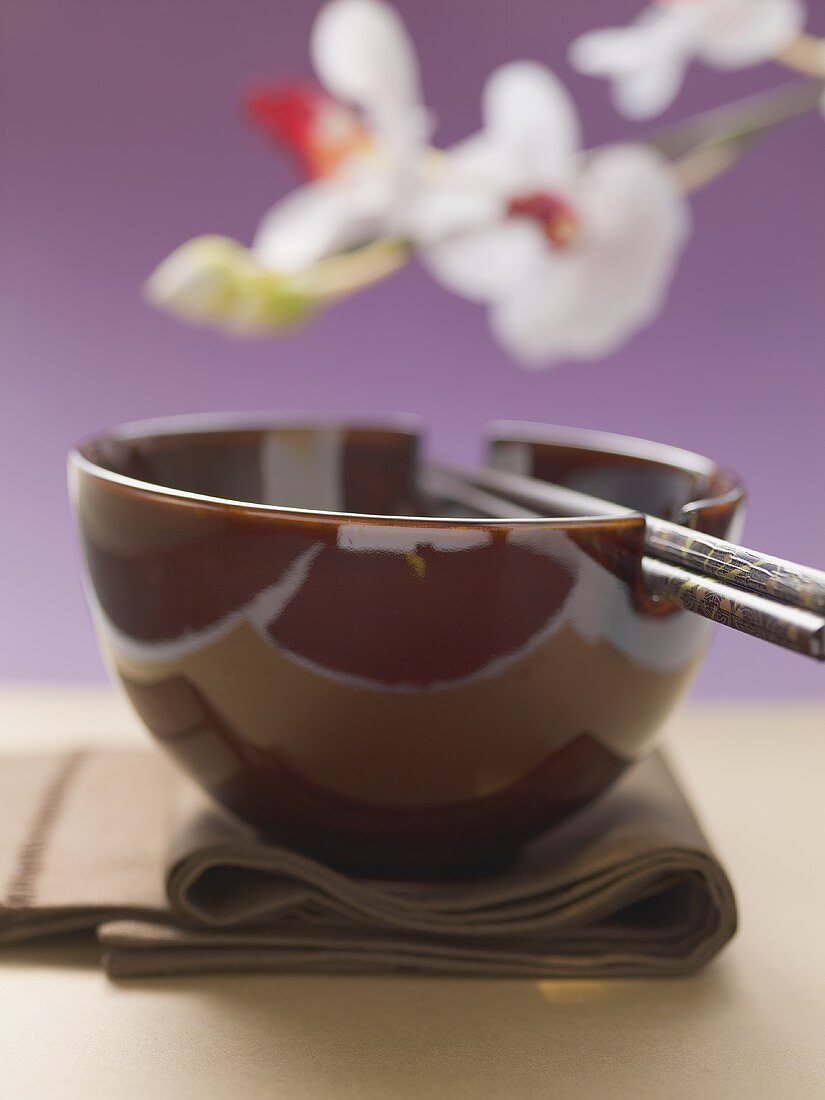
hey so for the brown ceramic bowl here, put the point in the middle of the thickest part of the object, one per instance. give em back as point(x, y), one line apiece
point(396, 694)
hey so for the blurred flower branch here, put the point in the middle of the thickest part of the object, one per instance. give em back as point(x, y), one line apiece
point(709, 144)
point(571, 251)
point(805, 54)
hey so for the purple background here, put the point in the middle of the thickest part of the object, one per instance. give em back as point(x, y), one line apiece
point(122, 137)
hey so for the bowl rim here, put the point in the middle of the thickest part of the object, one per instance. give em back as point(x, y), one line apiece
point(201, 423)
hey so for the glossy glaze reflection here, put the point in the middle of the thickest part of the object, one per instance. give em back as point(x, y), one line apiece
point(396, 695)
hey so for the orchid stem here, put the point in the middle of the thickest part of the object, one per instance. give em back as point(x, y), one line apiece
point(702, 166)
point(744, 118)
point(711, 143)
point(344, 273)
point(806, 54)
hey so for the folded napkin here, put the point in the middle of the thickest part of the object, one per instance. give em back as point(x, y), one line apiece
point(122, 843)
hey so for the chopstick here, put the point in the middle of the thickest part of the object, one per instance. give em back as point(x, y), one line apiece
point(794, 628)
point(780, 624)
point(762, 574)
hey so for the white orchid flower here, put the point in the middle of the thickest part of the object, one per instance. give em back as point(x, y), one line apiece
point(646, 60)
point(573, 254)
point(366, 164)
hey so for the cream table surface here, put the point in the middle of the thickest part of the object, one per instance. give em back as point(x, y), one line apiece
point(752, 1025)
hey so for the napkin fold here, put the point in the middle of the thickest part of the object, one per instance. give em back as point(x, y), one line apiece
point(122, 843)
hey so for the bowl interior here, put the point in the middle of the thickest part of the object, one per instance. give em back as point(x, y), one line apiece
point(318, 467)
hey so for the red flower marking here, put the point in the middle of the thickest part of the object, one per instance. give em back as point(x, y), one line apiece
point(319, 131)
point(554, 215)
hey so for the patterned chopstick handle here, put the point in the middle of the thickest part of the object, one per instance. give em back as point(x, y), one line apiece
point(790, 627)
point(737, 566)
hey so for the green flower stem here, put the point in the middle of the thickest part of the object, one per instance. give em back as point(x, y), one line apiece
point(348, 272)
point(711, 143)
point(746, 117)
